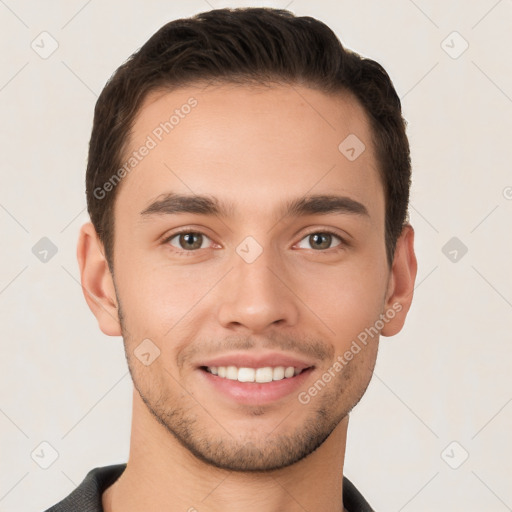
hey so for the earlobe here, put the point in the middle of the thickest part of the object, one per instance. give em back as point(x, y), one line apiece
point(97, 283)
point(401, 283)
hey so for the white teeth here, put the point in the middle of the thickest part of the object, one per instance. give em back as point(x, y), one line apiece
point(246, 374)
point(278, 373)
point(289, 372)
point(261, 375)
point(232, 373)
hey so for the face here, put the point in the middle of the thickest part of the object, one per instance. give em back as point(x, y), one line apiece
point(252, 288)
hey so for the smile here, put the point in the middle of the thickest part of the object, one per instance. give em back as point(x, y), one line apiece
point(259, 375)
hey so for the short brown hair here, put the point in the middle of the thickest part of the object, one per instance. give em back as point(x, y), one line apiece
point(247, 45)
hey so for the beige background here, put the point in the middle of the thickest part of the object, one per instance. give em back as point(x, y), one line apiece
point(444, 378)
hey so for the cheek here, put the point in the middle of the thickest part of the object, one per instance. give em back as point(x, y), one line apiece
point(155, 299)
point(347, 298)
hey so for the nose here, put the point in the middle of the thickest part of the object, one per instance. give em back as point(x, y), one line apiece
point(257, 296)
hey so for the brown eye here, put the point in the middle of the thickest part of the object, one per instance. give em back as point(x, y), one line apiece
point(188, 241)
point(321, 240)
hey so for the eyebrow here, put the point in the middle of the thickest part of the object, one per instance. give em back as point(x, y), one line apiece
point(172, 203)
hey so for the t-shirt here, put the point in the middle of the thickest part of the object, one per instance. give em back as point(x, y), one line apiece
point(87, 496)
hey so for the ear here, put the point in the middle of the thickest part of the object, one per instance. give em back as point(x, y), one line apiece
point(401, 283)
point(97, 282)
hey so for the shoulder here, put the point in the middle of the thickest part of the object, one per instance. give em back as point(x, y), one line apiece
point(353, 500)
point(87, 496)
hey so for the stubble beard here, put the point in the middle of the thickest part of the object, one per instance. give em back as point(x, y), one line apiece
point(190, 423)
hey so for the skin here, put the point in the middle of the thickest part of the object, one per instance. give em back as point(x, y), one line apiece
point(255, 146)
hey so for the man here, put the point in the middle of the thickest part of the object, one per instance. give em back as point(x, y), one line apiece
point(248, 183)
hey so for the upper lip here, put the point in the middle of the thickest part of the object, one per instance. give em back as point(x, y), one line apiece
point(259, 360)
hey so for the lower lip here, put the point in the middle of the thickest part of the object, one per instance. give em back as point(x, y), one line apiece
point(256, 393)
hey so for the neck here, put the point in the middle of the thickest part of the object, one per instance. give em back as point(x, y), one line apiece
point(163, 475)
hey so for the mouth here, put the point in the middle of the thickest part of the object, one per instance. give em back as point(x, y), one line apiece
point(256, 386)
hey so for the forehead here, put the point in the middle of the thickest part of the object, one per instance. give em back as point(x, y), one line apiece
point(251, 145)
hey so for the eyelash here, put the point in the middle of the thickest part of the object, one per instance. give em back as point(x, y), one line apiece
point(185, 253)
